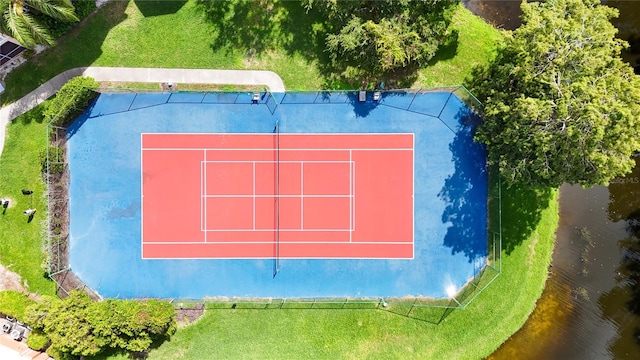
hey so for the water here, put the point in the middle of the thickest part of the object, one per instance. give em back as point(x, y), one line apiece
point(590, 308)
point(587, 308)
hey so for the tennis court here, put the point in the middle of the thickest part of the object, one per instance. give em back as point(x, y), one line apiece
point(193, 195)
point(272, 196)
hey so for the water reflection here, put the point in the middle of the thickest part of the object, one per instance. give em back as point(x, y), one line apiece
point(589, 309)
point(503, 14)
point(622, 304)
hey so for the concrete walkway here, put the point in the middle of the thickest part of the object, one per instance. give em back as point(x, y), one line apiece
point(151, 75)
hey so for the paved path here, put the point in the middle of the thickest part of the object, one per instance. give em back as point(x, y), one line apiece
point(178, 76)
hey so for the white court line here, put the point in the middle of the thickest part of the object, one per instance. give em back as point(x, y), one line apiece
point(281, 134)
point(254, 195)
point(281, 229)
point(271, 149)
point(283, 241)
point(354, 197)
point(351, 196)
point(413, 197)
point(280, 161)
point(141, 198)
point(270, 257)
point(205, 193)
point(203, 198)
point(273, 195)
point(302, 196)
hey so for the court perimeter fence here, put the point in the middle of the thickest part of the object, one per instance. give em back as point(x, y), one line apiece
point(55, 172)
point(486, 269)
point(421, 308)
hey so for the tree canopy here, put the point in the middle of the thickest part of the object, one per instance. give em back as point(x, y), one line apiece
point(19, 22)
point(385, 35)
point(560, 104)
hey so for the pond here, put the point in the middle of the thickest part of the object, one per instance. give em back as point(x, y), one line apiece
point(590, 306)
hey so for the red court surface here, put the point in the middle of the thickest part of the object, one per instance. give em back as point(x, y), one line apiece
point(234, 196)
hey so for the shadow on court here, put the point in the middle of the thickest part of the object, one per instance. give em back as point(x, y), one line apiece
point(465, 191)
point(465, 194)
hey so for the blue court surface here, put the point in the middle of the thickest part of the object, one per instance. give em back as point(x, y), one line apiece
point(450, 195)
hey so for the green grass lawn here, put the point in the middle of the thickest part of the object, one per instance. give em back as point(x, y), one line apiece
point(452, 65)
point(120, 35)
point(137, 34)
point(472, 333)
point(21, 241)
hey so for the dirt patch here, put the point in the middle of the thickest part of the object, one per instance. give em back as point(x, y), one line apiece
point(10, 280)
point(187, 315)
point(68, 281)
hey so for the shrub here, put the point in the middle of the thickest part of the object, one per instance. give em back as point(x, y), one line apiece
point(71, 100)
point(14, 303)
point(129, 325)
point(37, 340)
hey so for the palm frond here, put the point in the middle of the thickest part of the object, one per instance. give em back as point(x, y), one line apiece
point(57, 9)
point(39, 33)
point(26, 30)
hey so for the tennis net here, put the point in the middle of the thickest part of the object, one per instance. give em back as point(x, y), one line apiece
point(276, 257)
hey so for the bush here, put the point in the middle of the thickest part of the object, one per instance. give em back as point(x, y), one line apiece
point(14, 303)
point(37, 340)
point(129, 325)
point(71, 100)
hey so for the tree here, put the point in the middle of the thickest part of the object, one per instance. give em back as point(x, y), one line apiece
point(560, 104)
point(385, 35)
point(19, 22)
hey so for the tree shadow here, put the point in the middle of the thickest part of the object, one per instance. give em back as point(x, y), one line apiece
point(624, 195)
point(626, 294)
point(465, 191)
point(77, 123)
point(521, 205)
point(257, 26)
point(362, 108)
point(448, 49)
point(161, 7)
point(522, 208)
point(88, 36)
point(33, 116)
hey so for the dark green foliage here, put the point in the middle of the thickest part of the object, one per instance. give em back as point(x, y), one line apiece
point(59, 27)
point(21, 19)
point(560, 104)
point(14, 303)
point(377, 37)
point(71, 100)
point(80, 327)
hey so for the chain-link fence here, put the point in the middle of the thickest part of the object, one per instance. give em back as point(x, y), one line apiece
point(433, 310)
